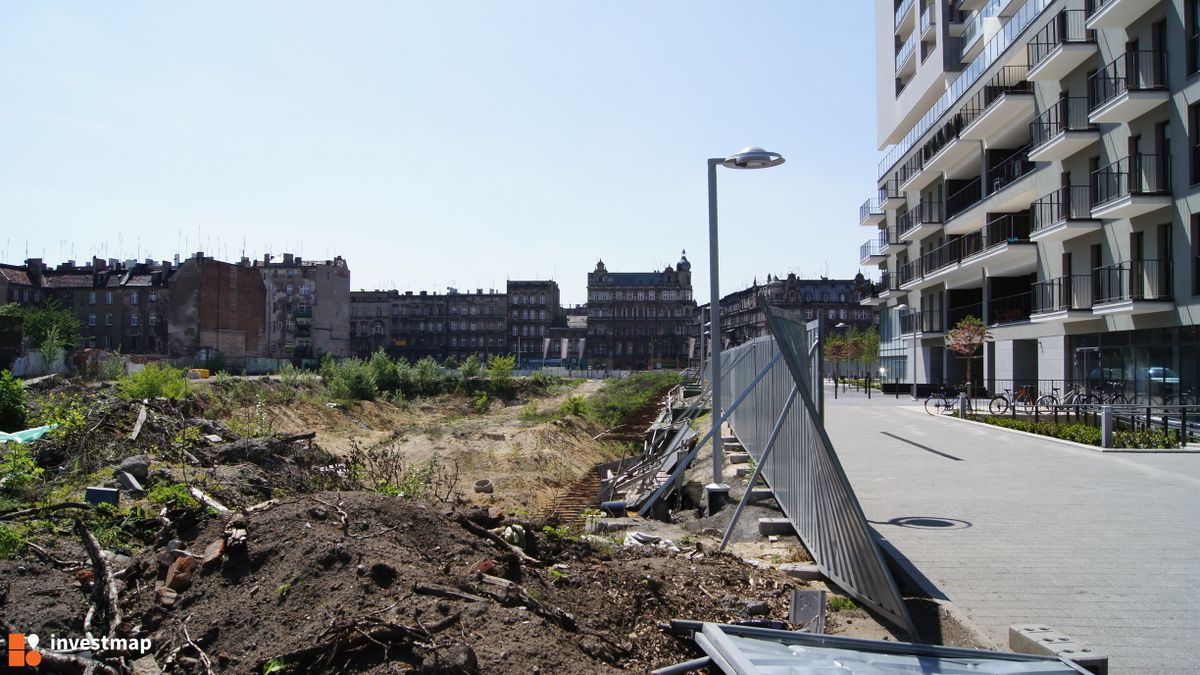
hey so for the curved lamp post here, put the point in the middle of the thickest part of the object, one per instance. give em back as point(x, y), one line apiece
point(901, 307)
point(749, 158)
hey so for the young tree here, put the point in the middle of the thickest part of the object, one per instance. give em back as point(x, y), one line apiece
point(51, 321)
point(965, 339)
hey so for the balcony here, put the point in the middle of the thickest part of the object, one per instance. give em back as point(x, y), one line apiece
point(922, 323)
point(905, 63)
point(945, 151)
point(1114, 13)
point(908, 273)
point(1064, 299)
point(891, 197)
point(1130, 86)
point(303, 313)
point(904, 16)
point(1063, 214)
point(1004, 102)
point(1062, 131)
point(1008, 309)
point(1004, 188)
point(871, 252)
point(1133, 287)
point(923, 219)
point(890, 241)
point(956, 21)
point(926, 26)
point(1131, 186)
point(941, 263)
point(871, 213)
point(877, 294)
point(1006, 248)
point(1061, 47)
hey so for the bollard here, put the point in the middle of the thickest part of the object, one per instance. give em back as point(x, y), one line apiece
point(962, 405)
point(1106, 426)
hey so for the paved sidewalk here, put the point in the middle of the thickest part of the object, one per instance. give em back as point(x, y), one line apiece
point(1102, 547)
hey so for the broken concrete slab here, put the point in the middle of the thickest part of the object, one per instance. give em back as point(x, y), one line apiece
point(760, 494)
point(138, 466)
point(737, 457)
point(127, 481)
point(769, 526)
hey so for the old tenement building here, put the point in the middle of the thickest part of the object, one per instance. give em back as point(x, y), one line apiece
point(640, 320)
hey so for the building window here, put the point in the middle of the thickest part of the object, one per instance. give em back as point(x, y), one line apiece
point(153, 319)
point(133, 319)
point(133, 298)
point(92, 298)
point(153, 296)
point(91, 319)
point(108, 319)
point(108, 297)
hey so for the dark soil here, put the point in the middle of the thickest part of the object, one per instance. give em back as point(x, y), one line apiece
point(324, 598)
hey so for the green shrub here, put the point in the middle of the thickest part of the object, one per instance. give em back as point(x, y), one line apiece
point(471, 368)
point(483, 402)
point(152, 381)
point(19, 473)
point(838, 603)
point(385, 371)
point(351, 381)
point(500, 369)
point(111, 367)
point(12, 402)
point(573, 405)
point(11, 542)
point(427, 376)
point(68, 411)
point(215, 363)
point(450, 363)
point(1083, 433)
point(617, 399)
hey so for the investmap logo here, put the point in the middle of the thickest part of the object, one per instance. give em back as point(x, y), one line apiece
point(22, 650)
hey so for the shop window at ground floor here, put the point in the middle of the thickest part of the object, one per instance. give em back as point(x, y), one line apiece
point(1148, 366)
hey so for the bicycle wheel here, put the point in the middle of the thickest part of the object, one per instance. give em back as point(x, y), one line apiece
point(949, 405)
point(1045, 404)
point(1119, 399)
point(998, 406)
point(933, 405)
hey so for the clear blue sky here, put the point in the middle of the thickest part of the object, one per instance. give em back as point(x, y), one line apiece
point(438, 143)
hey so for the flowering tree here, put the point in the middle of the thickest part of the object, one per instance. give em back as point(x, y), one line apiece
point(965, 339)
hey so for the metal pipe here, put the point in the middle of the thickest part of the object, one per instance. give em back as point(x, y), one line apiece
point(714, 316)
point(685, 667)
point(758, 466)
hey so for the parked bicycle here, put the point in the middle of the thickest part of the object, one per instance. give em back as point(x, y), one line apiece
point(945, 403)
point(1022, 402)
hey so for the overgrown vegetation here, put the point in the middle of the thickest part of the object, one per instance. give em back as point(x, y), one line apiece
point(152, 381)
point(20, 474)
point(1083, 433)
point(617, 399)
point(381, 376)
point(385, 470)
point(51, 322)
point(12, 402)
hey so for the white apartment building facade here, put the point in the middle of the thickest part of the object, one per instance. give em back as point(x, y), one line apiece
point(1042, 172)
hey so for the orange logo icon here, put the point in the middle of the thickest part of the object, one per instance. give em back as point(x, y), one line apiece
point(18, 655)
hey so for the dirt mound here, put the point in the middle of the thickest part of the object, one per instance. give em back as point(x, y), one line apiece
point(360, 582)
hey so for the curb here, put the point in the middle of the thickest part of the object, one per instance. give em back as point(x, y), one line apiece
point(1082, 446)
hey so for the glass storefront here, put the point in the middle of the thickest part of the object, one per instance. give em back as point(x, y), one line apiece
point(1147, 366)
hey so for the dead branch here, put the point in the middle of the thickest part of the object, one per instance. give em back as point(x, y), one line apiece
point(342, 517)
point(45, 555)
point(203, 657)
point(104, 590)
point(495, 538)
point(43, 509)
point(441, 592)
point(206, 500)
point(69, 663)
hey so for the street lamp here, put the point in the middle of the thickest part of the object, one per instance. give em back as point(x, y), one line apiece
point(750, 158)
point(901, 307)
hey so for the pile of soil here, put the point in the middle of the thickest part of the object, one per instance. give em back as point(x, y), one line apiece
point(402, 586)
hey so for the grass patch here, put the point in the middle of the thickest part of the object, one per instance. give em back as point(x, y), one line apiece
point(840, 603)
point(176, 493)
point(618, 399)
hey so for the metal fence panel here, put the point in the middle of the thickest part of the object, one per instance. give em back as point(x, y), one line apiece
point(803, 470)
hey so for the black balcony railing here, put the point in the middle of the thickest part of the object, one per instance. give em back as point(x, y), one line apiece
point(1072, 291)
point(922, 214)
point(1133, 280)
point(1068, 114)
point(921, 321)
point(1012, 169)
point(1132, 71)
point(1130, 176)
point(1010, 308)
point(872, 247)
point(964, 198)
point(890, 190)
point(1094, 6)
point(910, 168)
point(1010, 228)
point(1065, 28)
point(942, 138)
point(908, 272)
point(869, 208)
point(1010, 79)
point(1066, 203)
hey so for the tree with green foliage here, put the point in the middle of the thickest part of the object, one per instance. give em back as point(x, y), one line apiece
point(500, 372)
point(385, 371)
point(154, 380)
point(49, 321)
point(472, 367)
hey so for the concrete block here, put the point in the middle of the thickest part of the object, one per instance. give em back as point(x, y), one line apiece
point(737, 457)
point(802, 571)
point(742, 472)
point(769, 526)
point(603, 525)
point(760, 494)
point(1045, 641)
point(128, 482)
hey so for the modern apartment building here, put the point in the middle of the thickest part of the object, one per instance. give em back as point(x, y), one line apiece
point(640, 320)
point(1040, 171)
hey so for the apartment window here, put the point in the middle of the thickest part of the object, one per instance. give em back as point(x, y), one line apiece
point(153, 319)
point(651, 296)
point(133, 298)
point(641, 296)
point(108, 297)
point(133, 319)
point(108, 319)
point(91, 319)
point(453, 325)
point(92, 298)
point(153, 296)
point(542, 315)
point(108, 342)
point(514, 331)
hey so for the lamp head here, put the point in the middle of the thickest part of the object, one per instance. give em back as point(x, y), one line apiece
point(753, 158)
